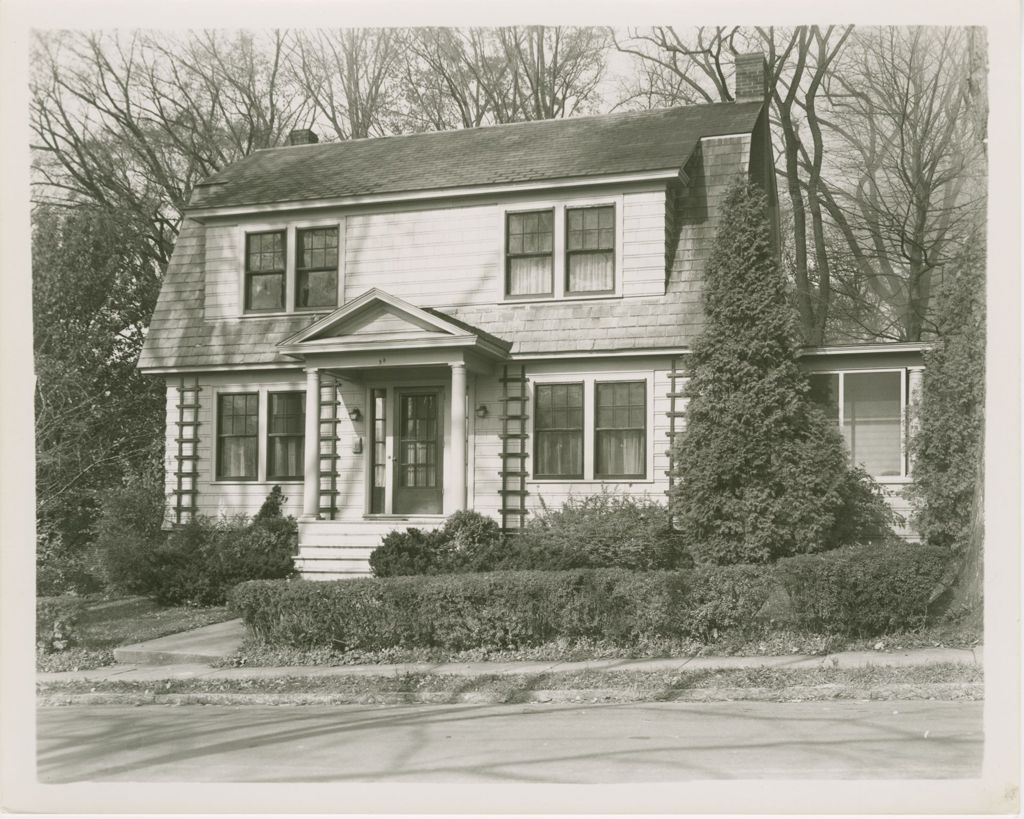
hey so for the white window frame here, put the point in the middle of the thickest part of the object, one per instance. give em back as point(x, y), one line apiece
point(559, 207)
point(291, 246)
point(904, 476)
point(262, 427)
point(589, 380)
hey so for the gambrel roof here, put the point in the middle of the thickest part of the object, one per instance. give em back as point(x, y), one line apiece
point(523, 152)
point(180, 338)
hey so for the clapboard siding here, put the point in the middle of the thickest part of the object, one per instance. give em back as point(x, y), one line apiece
point(451, 255)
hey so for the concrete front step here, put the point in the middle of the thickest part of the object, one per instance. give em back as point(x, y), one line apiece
point(338, 565)
point(341, 549)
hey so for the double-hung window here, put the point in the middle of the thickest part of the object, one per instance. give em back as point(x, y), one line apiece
point(590, 250)
point(286, 435)
point(591, 430)
point(558, 427)
point(529, 253)
point(620, 429)
point(316, 267)
point(869, 409)
point(265, 270)
point(238, 436)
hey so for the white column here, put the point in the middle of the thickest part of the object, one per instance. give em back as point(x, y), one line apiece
point(458, 447)
point(311, 475)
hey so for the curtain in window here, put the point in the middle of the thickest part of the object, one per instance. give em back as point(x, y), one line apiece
point(620, 452)
point(621, 429)
point(559, 430)
point(871, 420)
point(529, 275)
point(286, 457)
point(591, 271)
point(238, 457)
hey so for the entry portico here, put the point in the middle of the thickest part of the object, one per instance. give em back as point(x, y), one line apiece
point(413, 364)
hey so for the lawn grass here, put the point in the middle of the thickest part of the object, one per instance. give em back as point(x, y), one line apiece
point(938, 681)
point(109, 624)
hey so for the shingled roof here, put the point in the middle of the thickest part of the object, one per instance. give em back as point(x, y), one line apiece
point(523, 152)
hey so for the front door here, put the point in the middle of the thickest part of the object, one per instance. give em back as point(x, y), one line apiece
point(418, 453)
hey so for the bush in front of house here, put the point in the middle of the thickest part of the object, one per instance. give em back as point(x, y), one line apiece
point(761, 471)
point(57, 621)
point(460, 611)
point(195, 563)
point(600, 531)
point(863, 590)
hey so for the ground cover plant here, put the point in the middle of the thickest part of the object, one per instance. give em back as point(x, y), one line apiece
point(761, 472)
point(99, 626)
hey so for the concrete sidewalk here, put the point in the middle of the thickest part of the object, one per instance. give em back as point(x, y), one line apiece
point(187, 655)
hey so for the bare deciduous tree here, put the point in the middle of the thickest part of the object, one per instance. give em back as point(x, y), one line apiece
point(908, 162)
point(351, 78)
point(132, 122)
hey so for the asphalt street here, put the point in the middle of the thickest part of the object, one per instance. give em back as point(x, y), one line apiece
point(556, 743)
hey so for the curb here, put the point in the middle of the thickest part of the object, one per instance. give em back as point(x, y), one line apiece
point(823, 692)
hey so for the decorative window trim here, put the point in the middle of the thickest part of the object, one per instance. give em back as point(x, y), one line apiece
point(904, 373)
point(589, 380)
point(560, 273)
point(290, 230)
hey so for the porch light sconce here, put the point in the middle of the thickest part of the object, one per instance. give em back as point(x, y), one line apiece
point(481, 411)
point(355, 414)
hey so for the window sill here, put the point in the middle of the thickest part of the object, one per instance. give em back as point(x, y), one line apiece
point(595, 481)
point(558, 299)
point(252, 482)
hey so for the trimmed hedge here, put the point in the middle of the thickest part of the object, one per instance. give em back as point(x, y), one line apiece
point(857, 590)
point(863, 590)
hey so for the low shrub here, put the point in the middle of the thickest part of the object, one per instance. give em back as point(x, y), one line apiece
point(198, 562)
point(57, 621)
point(127, 533)
point(598, 531)
point(863, 590)
point(602, 531)
point(726, 599)
point(60, 570)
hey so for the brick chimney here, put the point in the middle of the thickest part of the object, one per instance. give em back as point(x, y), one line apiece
point(303, 136)
point(751, 77)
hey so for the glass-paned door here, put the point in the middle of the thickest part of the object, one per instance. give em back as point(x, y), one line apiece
point(418, 453)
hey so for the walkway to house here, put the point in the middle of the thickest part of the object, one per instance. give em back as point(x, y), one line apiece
point(189, 654)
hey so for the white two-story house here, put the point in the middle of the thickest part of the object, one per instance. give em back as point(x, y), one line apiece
point(395, 329)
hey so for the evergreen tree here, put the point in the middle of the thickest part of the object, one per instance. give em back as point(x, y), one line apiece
point(761, 471)
point(948, 450)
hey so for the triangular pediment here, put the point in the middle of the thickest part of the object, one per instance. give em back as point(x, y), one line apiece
point(376, 316)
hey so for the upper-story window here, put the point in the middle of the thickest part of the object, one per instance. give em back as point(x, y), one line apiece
point(529, 253)
point(590, 250)
point(265, 270)
point(316, 268)
point(292, 267)
point(563, 250)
